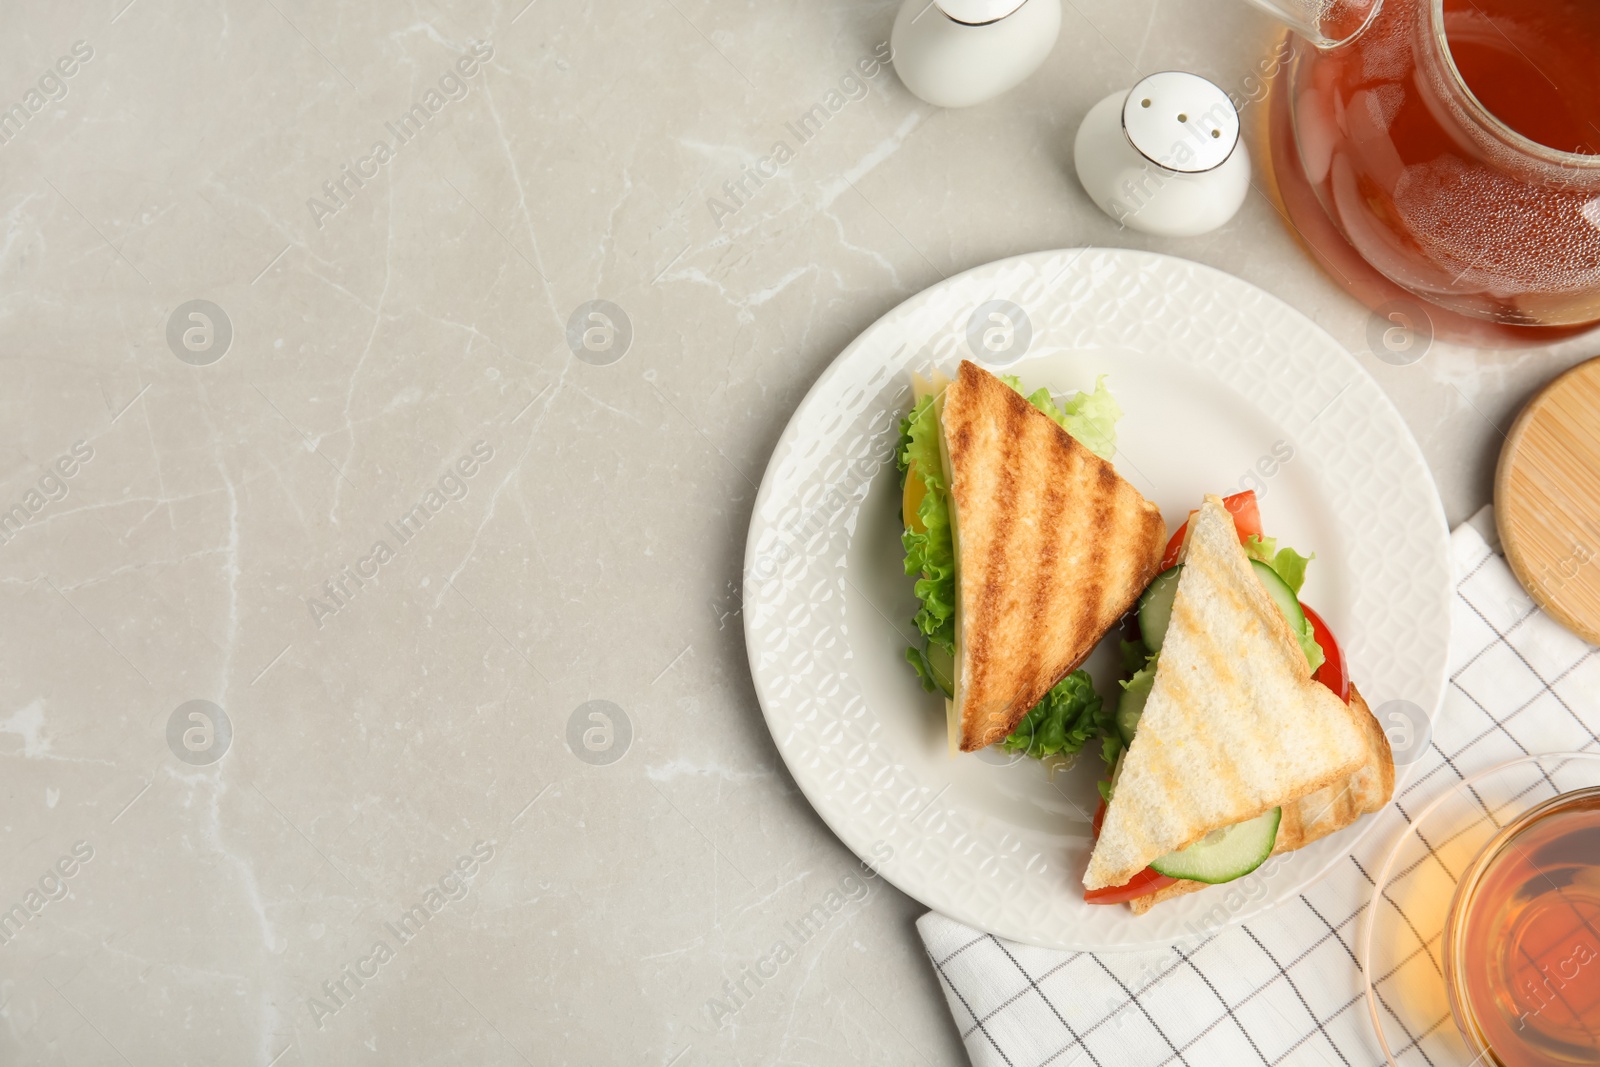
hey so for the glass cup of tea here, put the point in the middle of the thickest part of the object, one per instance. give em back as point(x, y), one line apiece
point(1522, 940)
point(1481, 944)
point(1449, 151)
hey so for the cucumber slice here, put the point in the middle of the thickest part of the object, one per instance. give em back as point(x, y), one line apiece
point(1135, 692)
point(1155, 607)
point(1226, 854)
point(1281, 595)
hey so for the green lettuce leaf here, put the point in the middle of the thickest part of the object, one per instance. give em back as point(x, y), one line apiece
point(1062, 723)
point(1308, 644)
point(1290, 565)
point(930, 554)
point(919, 441)
point(919, 663)
point(1111, 745)
point(1039, 398)
point(1139, 662)
point(935, 667)
point(902, 458)
point(1111, 750)
point(1091, 418)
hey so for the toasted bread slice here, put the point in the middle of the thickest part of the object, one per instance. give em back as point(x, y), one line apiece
point(1234, 725)
point(1316, 815)
point(1053, 547)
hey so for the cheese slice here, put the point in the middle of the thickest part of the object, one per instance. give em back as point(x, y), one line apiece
point(952, 714)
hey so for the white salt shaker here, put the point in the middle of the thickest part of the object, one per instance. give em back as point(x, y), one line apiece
point(1165, 157)
point(956, 53)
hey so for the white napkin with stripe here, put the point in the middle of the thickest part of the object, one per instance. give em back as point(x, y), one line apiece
point(1287, 987)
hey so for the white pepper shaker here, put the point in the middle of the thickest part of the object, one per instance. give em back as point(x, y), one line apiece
point(1166, 156)
point(956, 53)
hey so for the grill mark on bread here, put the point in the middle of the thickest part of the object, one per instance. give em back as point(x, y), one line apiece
point(979, 614)
point(1194, 716)
point(1099, 531)
point(1053, 509)
point(1221, 661)
point(958, 446)
point(1004, 529)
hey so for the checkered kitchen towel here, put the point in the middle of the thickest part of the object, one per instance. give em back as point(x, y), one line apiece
point(1287, 987)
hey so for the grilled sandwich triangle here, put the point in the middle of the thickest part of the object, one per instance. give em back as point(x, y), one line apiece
point(1234, 725)
point(1316, 815)
point(1052, 548)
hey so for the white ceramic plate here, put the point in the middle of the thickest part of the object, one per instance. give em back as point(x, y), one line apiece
point(1219, 382)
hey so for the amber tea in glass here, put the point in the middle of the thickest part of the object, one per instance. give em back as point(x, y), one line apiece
point(1522, 941)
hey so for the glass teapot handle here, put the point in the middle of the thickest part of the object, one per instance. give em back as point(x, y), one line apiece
point(1325, 23)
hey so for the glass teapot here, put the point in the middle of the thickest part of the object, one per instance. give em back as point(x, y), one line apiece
point(1450, 150)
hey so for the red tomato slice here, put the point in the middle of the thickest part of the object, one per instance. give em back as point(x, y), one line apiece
point(1332, 673)
point(1142, 884)
point(1146, 881)
point(1246, 514)
point(1169, 558)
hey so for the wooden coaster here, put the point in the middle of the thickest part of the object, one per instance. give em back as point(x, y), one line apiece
point(1547, 499)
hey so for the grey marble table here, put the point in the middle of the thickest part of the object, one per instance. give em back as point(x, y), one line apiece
point(308, 588)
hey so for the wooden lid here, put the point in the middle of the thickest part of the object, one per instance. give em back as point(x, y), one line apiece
point(1547, 499)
